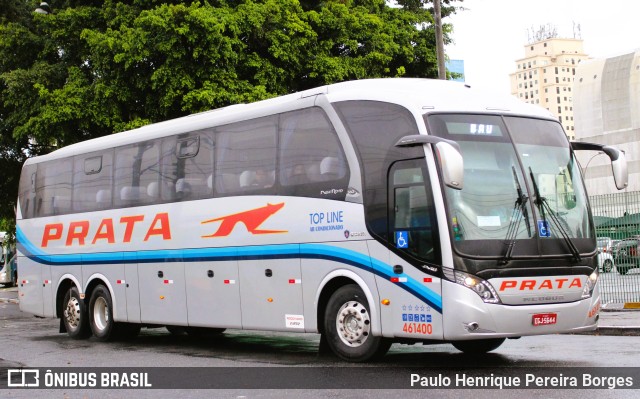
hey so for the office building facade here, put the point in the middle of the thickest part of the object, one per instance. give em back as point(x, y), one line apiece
point(545, 77)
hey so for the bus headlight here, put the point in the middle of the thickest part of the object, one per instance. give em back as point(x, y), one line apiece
point(474, 283)
point(590, 284)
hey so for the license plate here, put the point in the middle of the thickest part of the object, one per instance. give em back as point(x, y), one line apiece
point(544, 319)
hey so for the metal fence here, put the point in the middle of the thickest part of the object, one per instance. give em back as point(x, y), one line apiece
point(617, 220)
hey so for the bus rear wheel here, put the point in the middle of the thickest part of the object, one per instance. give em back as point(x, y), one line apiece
point(478, 346)
point(101, 314)
point(347, 326)
point(74, 315)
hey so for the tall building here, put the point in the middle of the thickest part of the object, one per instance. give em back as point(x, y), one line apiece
point(607, 111)
point(545, 77)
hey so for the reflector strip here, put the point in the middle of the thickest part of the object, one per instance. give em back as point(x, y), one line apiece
point(295, 281)
point(119, 281)
point(25, 281)
point(398, 279)
point(47, 281)
point(168, 281)
point(428, 280)
point(229, 281)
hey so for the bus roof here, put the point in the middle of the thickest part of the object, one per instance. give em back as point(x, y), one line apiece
point(427, 94)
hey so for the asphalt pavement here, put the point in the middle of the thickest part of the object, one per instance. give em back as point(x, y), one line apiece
point(615, 318)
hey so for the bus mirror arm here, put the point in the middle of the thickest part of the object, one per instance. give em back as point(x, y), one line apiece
point(419, 139)
point(449, 157)
point(618, 160)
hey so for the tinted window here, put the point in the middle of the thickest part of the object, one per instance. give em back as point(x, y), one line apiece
point(412, 211)
point(310, 162)
point(311, 159)
point(375, 127)
point(27, 191)
point(246, 157)
point(92, 182)
point(136, 174)
point(187, 167)
point(53, 187)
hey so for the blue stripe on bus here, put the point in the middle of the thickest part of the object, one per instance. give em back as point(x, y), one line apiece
point(284, 251)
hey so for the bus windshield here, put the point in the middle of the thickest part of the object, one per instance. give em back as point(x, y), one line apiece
point(521, 182)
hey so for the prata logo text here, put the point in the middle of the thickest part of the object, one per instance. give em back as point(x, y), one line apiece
point(547, 284)
point(83, 232)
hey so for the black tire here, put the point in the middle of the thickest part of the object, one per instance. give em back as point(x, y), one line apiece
point(74, 315)
point(347, 326)
point(607, 265)
point(101, 315)
point(479, 346)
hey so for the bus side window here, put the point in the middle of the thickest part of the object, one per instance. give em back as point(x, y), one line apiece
point(311, 157)
point(187, 167)
point(92, 181)
point(246, 157)
point(27, 191)
point(136, 168)
point(53, 187)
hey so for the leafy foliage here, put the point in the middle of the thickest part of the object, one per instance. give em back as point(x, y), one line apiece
point(94, 67)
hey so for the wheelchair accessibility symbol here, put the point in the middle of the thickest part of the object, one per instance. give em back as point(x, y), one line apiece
point(543, 228)
point(402, 239)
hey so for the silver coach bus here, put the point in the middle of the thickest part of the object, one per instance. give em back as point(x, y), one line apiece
point(371, 212)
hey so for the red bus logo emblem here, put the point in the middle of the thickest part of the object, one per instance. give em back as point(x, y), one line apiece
point(252, 219)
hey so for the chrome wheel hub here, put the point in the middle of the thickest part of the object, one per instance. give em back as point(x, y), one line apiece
point(100, 313)
point(353, 323)
point(72, 313)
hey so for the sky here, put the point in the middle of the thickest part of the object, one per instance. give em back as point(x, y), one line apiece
point(490, 35)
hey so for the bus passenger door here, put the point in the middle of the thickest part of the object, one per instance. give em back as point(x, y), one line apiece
point(162, 292)
point(412, 286)
point(271, 294)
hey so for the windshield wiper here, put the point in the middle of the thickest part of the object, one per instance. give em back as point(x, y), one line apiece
point(543, 206)
point(519, 212)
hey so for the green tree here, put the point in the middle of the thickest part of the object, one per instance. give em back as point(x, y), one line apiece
point(95, 67)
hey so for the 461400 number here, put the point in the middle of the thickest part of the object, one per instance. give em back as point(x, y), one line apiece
point(418, 328)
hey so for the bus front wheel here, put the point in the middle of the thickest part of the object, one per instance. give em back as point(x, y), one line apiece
point(74, 315)
point(478, 346)
point(347, 326)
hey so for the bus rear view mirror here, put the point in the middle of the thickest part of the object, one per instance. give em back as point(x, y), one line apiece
point(620, 171)
point(448, 155)
point(618, 161)
point(451, 164)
